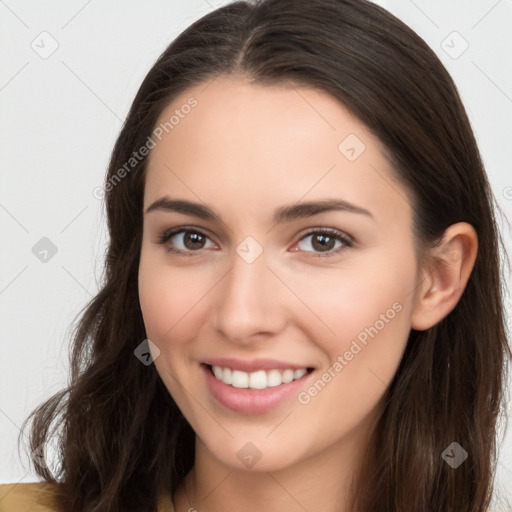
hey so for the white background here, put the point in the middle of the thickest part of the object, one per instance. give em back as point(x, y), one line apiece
point(60, 116)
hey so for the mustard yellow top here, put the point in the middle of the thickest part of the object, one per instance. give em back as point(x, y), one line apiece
point(40, 497)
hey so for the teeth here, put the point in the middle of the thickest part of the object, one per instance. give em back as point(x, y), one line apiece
point(299, 373)
point(227, 376)
point(287, 376)
point(240, 379)
point(273, 378)
point(260, 379)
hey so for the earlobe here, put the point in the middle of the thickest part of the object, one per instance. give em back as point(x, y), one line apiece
point(444, 281)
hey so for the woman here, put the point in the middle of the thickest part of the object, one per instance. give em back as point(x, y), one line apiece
point(302, 307)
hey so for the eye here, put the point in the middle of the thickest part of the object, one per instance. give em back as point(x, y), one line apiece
point(324, 241)
point(189, 241)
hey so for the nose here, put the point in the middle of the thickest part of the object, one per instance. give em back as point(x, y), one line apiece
point(250, 302)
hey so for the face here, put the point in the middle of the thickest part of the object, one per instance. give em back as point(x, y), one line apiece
point(276, 246)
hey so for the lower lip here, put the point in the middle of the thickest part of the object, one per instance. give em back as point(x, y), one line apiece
point(252, 401)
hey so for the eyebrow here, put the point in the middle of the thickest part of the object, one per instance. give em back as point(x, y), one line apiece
point(281, 215)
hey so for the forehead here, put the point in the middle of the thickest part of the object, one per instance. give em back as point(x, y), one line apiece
point(263, 146)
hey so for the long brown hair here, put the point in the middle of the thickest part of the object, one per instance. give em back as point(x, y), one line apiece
point(123, 441)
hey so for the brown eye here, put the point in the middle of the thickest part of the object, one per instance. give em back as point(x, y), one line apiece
point(185, 241)
point(327, 241)
point(323, 242)
point(193, 240)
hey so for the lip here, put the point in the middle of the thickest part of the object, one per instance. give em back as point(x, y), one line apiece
point(252, 401)
point(254, 365)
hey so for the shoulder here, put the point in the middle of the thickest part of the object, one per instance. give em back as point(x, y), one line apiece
point(28, 497)
point(164, 503)
point(40, 497)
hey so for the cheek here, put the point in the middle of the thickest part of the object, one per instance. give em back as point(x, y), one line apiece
point(362, 322)
point(355, 301)
point(368, 311)
point(167, 296)
point(156, 300)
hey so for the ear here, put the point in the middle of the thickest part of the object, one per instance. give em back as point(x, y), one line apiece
point(445, 276)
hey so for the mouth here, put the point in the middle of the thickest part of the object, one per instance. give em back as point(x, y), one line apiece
point(256, 392)
point(257, 380)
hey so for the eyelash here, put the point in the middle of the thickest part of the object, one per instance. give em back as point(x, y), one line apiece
point(345, 239)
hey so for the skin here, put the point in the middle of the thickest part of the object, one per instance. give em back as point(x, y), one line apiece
point(246, 150)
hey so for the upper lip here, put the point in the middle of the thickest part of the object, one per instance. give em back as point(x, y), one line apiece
point(254, 364)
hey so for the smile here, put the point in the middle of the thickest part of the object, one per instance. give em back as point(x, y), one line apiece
point(261, 379)
point(257, 391)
